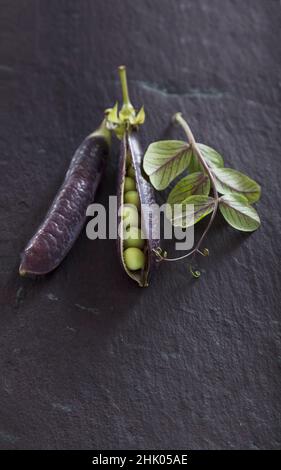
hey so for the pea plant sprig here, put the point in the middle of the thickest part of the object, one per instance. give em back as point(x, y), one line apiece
point(209, 186)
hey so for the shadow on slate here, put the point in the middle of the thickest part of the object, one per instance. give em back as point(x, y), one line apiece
point(88, 360)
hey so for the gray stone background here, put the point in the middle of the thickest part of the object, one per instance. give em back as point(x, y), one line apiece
point(87, 359)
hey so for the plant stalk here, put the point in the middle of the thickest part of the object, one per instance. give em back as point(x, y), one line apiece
point(177, 118)
point(124, 84)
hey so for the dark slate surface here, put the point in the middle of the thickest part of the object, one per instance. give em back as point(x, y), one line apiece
point(87, 359)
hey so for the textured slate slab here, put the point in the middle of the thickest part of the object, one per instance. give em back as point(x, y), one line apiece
point(87, 359)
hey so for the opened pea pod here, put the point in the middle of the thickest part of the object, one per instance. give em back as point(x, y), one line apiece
point(137, 234)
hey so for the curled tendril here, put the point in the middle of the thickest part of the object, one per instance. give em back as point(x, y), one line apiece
point(160, 254)
point(195, 273)
point(205, 252)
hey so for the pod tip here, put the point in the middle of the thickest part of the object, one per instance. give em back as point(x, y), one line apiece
point(22, 272)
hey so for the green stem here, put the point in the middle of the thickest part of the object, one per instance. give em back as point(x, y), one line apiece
point(124, 85)
point(127, 108)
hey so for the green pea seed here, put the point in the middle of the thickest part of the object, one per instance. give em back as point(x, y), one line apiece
point(133, 238)
point(131, 172)
point(130, 216)
point(132, 197)
point(130, 184)
point(134, 259)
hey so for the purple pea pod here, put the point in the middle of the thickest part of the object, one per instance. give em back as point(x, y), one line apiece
point(67, 214)
point(138, 256)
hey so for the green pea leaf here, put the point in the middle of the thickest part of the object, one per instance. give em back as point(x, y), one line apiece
point(165, 160)
point(194, 164)
point(190, 211)
point(195, 183)
point(237, 211)
point(212, 157)
point(232, 181)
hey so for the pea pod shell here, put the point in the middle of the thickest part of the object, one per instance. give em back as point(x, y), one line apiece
point(67, 214)
point(130, 145)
